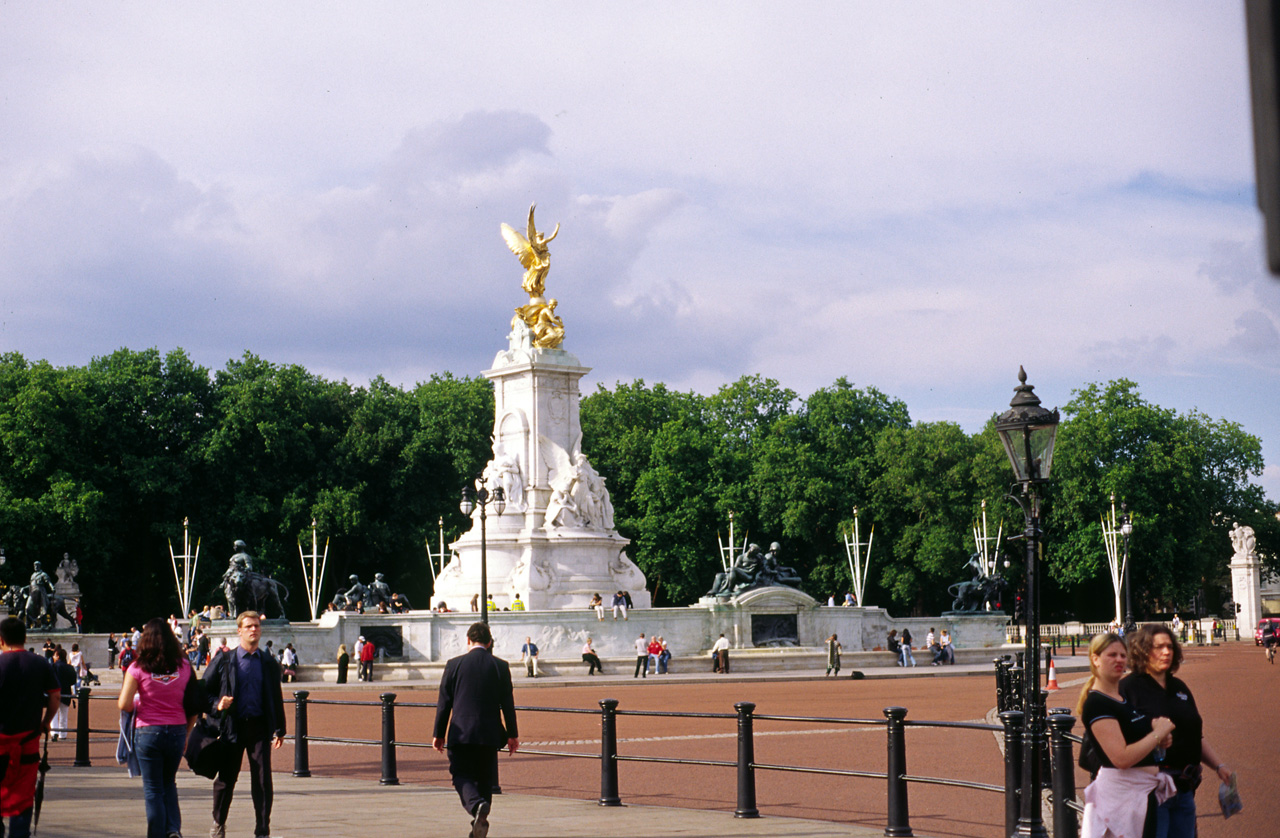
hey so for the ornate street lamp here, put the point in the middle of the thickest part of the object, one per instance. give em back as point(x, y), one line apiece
point(476, 494)
point(1126, 529)
point(1028, 432)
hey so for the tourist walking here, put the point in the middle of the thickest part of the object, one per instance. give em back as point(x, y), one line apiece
point(66, 675)
point(156, 691)
point(1154, 657)
point(475, 718)
point(1124, 741)
point(243, 686)
point(833, 654)
point(29, 698)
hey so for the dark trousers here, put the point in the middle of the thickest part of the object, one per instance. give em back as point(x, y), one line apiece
point(471, 767)
point(366, 670)
point(722, 662)
point(592, 662)
point(252, 737)
point(642, 666)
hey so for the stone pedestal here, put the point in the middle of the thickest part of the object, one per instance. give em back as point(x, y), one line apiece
point(557, 560)
point(1246, 589)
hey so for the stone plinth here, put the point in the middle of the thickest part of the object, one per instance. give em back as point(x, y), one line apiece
point(554, 544)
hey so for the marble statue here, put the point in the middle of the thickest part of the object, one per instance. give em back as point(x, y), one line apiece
point(504, 470)
point(532, 253)
point(67, 571)
point(579, 497)
point(248, 590)
point(1244, 541)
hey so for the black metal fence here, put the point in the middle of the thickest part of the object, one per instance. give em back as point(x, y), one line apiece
point(1060, 773)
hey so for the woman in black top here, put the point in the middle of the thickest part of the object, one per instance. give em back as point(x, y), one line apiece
point(1155, 655)
point(1126, 739)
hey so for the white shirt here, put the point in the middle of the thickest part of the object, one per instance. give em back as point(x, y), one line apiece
point(722, 645)
point(928, 641)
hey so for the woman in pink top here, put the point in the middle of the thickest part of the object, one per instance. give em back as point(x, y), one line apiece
point(154, 688)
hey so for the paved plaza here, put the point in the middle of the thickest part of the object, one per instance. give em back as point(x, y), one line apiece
point(552, 795)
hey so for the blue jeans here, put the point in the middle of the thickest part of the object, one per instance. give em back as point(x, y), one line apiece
point(19, 825)
point(905, 655)
point(159, 749)
point(1176, 817)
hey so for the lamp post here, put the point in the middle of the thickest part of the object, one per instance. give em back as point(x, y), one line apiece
point(1126, 529)
point(1028, 433)
point(477, 494)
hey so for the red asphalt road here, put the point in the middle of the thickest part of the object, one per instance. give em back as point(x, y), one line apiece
point(1233, 686)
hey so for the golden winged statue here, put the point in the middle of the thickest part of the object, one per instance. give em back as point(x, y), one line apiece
point(532, 253)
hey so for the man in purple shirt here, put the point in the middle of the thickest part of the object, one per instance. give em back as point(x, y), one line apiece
point(244, 694)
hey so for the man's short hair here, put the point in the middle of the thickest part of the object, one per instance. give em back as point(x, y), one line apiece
point(13, 631)
point(479, 634)
point(247, 615)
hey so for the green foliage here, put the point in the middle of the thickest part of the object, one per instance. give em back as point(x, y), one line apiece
point(105, 461)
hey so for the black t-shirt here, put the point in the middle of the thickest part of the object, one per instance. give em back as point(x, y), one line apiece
point(1175, 703)
point(1134, 724)
point(26, 679)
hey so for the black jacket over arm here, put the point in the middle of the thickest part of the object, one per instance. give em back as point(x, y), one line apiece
point(476, 698)
point(220, 679)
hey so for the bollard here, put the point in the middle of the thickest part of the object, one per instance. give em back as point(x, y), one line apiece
point(1015, 685)
point(1064, 773)
point(746, 763)
point(389, 777)
point(899, 812)
point(609, 753)
point(1001, 676)
point(82, 729)
point(1012, 721)
point(301, 766)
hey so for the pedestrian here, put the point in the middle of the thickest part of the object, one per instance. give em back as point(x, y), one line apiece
point(113, 649)
point(529, 656)
point(127, 655)
point(642, 657)
point(664, 658)
point(720, 656)
point(243, 685)
point(475, 603)
point(344, 661)
point(66, 675)
point(895, 646)
point(833, 654)
point(475, 718)
point(908, 659)
point(590, 658)
point(288, 664)
point(367, 651)
point(29, 699)
point(1150, 686)
point(155, 691)
point(517, 604)
point(1122, 739)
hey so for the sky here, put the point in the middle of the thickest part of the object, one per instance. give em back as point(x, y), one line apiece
point(916, 197)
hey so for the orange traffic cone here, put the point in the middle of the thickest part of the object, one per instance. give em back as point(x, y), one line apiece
point(1053, 677)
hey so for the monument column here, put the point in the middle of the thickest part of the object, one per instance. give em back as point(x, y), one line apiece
point(1246, 579)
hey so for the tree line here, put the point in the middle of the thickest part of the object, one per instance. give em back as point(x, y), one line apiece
point(105, 461)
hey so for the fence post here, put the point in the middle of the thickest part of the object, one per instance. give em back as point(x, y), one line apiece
point(746, 762)
point(1000, 679)
point(1012, 721)
point(899, 812)
point(389, 777)
point(609, 753)
point(1064, 775)
point(82, 728)
point(1015, 684)
point(301, 763)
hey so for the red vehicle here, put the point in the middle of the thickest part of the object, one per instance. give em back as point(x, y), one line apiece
point(1257, 632)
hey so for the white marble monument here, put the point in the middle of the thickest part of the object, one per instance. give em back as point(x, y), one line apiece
point(554, 544)
point(1246, 578)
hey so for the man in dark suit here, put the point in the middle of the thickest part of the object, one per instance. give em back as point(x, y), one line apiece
point(476, 699)
point(243, 685)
